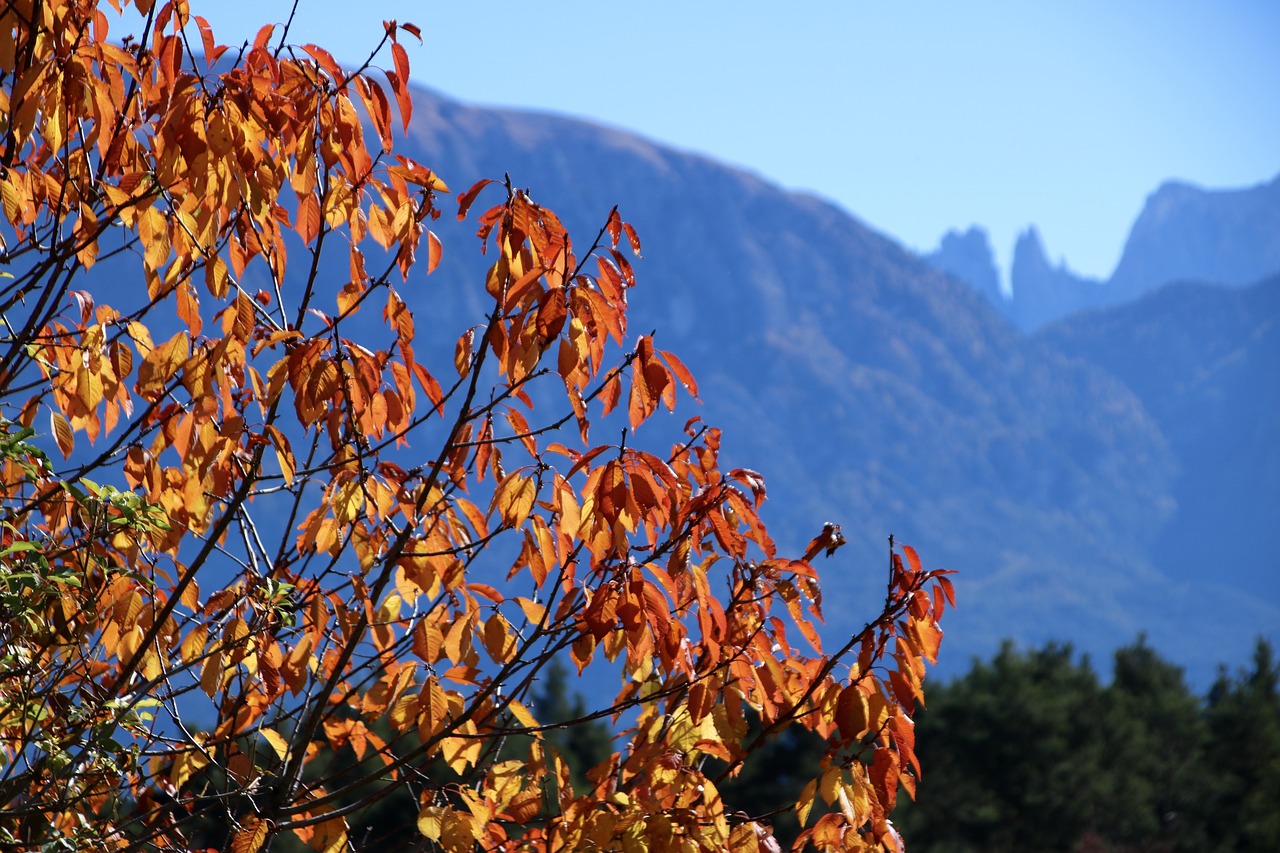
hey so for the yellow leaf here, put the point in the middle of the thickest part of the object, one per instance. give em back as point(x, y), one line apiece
point(347, 501)
point(141, 336)
point(533, 611)
point(9, 197)
point(211, 675)
point(277, 741)
point(829, 787)
point(497, 638)
point(846, 806)
point(216, 277)
point(431, 822)
point(160, 364)
point(185, 765)
point(284, 453)
point(514, 499)
point(522, 715)
point(191, 595)
point(805, 804)
point(194, 644)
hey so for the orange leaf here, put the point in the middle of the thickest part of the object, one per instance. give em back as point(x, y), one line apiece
point(308, 218)
point(62, 434)
point(462, 352)
point(251, 837)
point(632, 238)
point(260, 41)
point(497, 638)
point(375, 102)
point(284, 454)
point(327, 62)
point(852, 712)
point(434, 252)
point(401, 60)
point(160, 365)
point(642, 403)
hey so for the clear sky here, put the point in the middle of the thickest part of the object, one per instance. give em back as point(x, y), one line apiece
point(915, 116)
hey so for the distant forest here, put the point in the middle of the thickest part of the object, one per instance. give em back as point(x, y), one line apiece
point(1031, 752)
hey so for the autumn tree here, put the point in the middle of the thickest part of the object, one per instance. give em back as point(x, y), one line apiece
point(252, 521)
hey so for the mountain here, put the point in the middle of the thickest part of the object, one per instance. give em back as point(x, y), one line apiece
point(1187, 233)
point(1183, 233)
point(1042, 292)
point(1203, 359)
point(870, 389)
point(967, 256)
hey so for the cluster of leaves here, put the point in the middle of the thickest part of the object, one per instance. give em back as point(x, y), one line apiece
point(317, 542)
point(1030, 752)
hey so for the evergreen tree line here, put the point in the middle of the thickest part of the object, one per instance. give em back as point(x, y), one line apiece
point(1032, 752)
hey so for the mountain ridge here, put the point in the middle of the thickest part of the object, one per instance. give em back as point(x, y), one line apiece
point(1183, 232)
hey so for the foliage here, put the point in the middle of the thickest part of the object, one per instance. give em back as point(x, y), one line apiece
point(1030, 752)
point(295, 561)
point(1018, 744)
point(1243, 743)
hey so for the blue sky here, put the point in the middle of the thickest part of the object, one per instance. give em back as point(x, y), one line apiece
point(915, 116)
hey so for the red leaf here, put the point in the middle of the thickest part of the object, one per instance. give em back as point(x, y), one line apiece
point(614, 224)
point(468, 198)
point(949, 590)
point(682, 373)
point(913, 558)
point(401, 60)
point(264, 36)
point(327, 62)
point(400, 88)
point(631, 236)
point(206, 38)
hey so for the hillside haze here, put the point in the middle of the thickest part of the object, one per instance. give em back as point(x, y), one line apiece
point(872, 390)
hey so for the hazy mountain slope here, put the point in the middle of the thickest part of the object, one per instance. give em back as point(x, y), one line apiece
point(1204, 359)
point(869, 388)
